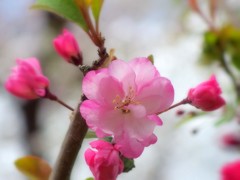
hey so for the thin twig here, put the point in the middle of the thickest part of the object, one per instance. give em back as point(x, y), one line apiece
point(184, 101)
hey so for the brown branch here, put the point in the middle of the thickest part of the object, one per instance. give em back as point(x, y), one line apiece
point(70, 147)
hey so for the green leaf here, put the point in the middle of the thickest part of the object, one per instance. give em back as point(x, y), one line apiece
point(151, 58)
point(236, 60)
point(90, 178)
point(210, 52)
point(90, 134)
point(128, 164)
point(65, 8)
point(33, 167)
point(96, 6)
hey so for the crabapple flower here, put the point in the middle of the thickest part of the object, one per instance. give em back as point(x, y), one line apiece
point(104, 160)
point(231, 140)
point(123, 101)
point(67, 47)
point(206, 96)
point(26, 80)
point(231, 171)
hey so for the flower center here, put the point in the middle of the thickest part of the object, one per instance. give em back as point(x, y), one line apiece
point(122, 104)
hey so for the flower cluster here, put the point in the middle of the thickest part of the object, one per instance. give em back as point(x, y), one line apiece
point(123, 103)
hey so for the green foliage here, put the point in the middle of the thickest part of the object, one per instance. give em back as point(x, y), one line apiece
point(96, 6)
point(232, 43)
point(128, 164)
point(210, 52)
point(224, 42)
point(65, 8)
point(33, 167)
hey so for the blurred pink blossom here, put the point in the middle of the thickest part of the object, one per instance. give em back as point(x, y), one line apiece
point(104, 160)
point(26, 80)
point(123, 100)
point(231, 140)
point(67, 47)
point(231, 171)
point(206, 96)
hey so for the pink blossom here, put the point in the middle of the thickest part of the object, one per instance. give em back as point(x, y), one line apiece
point(231, 171)
point(123, 100)
point(206, 96)
point(26, 80)
point(67, 47)
point(231, 140)
point(104, 160)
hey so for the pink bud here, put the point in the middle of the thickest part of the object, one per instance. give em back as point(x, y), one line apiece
point(26, 80)
point(206, 96)
point(231, 140)
point(67, 47)
point(231, 171)
point(104, 160)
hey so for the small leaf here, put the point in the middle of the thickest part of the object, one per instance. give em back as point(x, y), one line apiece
point(90, 178)
point(96, 7)
point(33, 167)
point(151, 58)
point(128, 164)
point(65, 8)
point(90, 134)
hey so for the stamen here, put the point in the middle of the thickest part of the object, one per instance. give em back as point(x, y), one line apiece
point(122, 104)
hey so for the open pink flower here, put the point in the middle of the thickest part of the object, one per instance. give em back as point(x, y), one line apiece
point(66, 45)
point(104, 160)
point(26, 80)
point(206, 96)
point(123, 101)
point(231, 171)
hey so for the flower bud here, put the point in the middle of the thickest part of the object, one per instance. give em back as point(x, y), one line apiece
point(231, 171)
point(26, 80)
point(206, 96)
point(104, 161)
point(67, 47)
point(231, 140)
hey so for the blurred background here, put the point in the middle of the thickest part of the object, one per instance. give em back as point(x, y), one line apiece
point(168, 30)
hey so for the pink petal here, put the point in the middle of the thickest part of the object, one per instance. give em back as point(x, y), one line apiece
point(100, 144)
point(124, 74)
point(156, 119)
point(91, 82)
point(156, 96)
point(145, 71)
point(103, 121)
point(129, 147)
